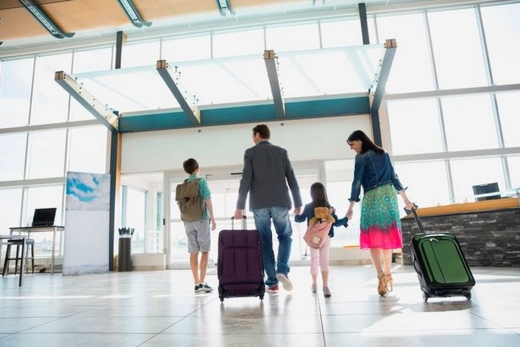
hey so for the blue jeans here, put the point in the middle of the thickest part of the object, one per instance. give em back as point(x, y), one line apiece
point(283, 228)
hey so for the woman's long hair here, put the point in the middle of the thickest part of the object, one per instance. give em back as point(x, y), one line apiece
point(319, 195)
point(366, 142)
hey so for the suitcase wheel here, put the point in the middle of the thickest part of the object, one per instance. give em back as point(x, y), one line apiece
point(468, 296)
point(425, 296)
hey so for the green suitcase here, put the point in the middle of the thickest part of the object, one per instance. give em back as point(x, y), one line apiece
point(440, 264)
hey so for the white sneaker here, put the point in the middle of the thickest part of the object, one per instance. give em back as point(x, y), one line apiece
point(286, 282)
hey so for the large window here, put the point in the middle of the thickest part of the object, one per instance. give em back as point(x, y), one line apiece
point(139, 54)
point(503, 41)
point(12, 161)
point(10, 202)
point(507, 104)
point(37, 149)
point(49, 100)
point(46, 154)
point(15, 92)
point(134, 216)
point(514, 172)
point(469, 48)
point(85, 146)
point(412, 66)
point(340, 33)
point(469, 122)
point(469, 172)
point(186, 48)
point(457, 49)
point(418, 122)
point(230, 44)
point(301, 37)
point(427, 182)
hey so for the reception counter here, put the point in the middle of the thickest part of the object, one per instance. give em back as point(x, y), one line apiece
point(488, 231)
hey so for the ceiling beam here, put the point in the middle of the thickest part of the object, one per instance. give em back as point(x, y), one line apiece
point(44, 19)
point(271, 64)
point(106, 115)
point(171, 79)
point(379, 83)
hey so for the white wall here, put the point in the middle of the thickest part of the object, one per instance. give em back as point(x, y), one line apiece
point(309, 139)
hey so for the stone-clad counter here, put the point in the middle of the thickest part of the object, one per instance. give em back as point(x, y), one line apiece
point(488, 231)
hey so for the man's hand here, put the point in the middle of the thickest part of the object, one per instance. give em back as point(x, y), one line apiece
point(298, 210)
point(239, 214)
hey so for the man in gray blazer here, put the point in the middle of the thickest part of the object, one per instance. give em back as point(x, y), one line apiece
point(267, 177)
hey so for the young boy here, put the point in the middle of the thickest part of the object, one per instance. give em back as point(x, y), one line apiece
point(198, 231)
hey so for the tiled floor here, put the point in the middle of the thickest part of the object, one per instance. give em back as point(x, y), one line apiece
point(158, 308)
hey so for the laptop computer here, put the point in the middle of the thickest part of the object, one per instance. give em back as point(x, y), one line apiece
point(44, 217)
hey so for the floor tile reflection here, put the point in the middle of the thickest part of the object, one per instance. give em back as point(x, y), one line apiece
point(159, 308)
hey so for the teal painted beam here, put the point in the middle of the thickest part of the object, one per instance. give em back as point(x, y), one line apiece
point(158, 121)
point(327, 107)
point(177, 119)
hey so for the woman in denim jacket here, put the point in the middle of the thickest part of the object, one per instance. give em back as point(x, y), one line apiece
point(380, 223)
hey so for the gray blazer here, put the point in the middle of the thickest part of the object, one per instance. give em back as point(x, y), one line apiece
point(266, 174)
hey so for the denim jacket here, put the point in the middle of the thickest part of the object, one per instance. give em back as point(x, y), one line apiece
point(372, 170)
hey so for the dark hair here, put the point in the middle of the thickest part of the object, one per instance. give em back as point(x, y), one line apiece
point(190, 165)
point(263, 130)
point(319, 195)
point(366, 143)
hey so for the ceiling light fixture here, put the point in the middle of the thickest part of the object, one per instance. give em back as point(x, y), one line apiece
point(45, 20)
point(133, 13)
point(224, 8)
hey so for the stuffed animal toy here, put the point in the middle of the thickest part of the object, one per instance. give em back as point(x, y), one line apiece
point(323, 214)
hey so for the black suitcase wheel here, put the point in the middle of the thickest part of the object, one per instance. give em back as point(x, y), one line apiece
point(468, 296)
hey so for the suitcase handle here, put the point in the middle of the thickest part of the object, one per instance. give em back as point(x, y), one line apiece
point(418, 220)
point(416, 217)
point(244, 222)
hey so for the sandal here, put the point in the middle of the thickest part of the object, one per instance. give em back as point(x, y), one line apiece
point(389, 283)
point(381, 287)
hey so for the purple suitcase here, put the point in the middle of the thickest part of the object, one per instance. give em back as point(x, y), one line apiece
point(240, 268)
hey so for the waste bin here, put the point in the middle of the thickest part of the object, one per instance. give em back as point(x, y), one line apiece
point(124, 259)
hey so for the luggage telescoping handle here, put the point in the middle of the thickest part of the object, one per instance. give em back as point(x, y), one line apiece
point(418, 220)
point(416, 216)
point(244, 222)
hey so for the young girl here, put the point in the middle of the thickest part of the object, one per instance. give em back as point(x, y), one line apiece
point(320, 256)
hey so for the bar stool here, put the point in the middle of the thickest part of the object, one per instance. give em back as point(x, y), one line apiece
point(29, 243)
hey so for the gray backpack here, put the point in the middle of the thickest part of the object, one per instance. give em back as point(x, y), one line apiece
point(190, 201)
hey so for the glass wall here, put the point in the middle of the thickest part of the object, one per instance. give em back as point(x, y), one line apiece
point(445, 142)
point(40, 141)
